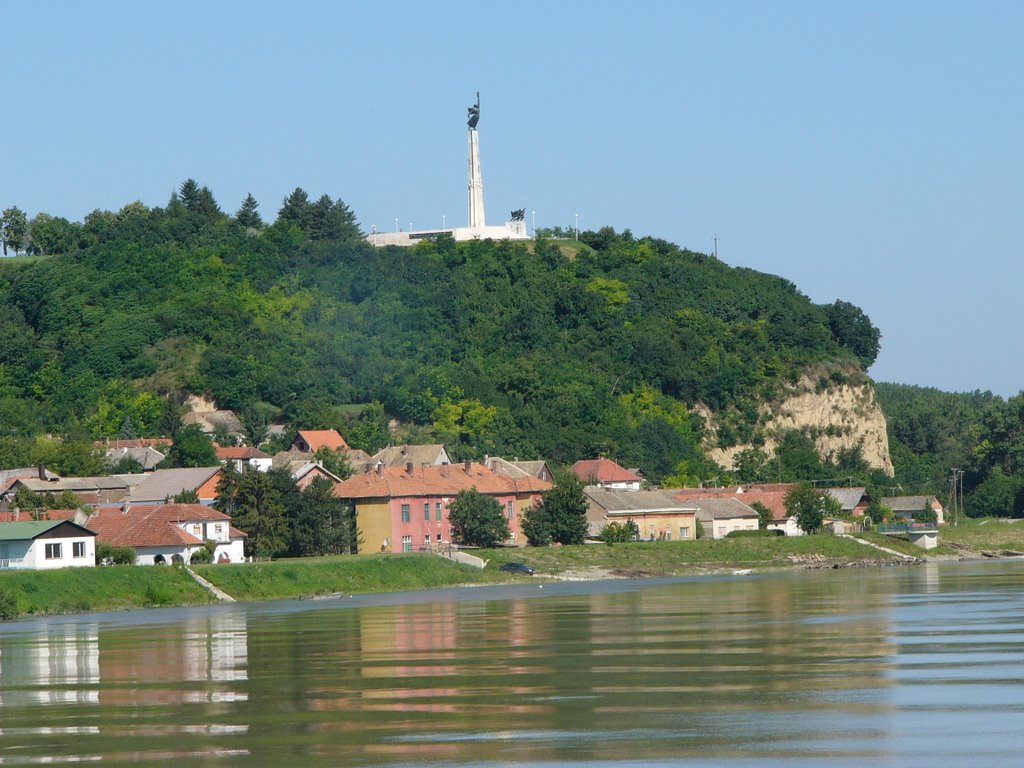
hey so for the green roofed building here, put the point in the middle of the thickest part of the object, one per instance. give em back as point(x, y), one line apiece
point(45, 544)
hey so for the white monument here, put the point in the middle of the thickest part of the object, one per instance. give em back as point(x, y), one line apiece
point(476, 229)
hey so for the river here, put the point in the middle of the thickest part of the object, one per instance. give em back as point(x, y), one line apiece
point(902, 666)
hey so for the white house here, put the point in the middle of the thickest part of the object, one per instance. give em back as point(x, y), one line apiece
point(46, 544)
point(167, 533)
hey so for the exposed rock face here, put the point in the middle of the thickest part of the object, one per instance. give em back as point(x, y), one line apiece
point(837, 418)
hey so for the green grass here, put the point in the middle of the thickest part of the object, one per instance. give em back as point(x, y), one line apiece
point(112, 588)
point(672, 558)
point(984, 534)
point(893, 542)
point(309, 577)
point(18, 260)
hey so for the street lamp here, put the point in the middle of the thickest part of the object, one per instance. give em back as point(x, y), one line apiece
point(396, 225)
point(534, 223)
point(577, 226)
point(444, 220)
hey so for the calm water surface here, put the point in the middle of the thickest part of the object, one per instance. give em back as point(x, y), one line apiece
point(904, 666)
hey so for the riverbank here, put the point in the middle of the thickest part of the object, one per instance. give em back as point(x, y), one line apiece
point(26, 593)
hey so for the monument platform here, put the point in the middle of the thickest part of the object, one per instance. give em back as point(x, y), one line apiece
point(511, 230)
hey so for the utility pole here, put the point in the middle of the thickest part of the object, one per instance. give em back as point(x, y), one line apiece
point(716, 246)
point(956, 495)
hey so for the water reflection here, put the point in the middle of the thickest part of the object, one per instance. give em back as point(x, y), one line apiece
point(884, 667)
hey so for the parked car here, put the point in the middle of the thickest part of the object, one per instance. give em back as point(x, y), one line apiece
point(518, 568)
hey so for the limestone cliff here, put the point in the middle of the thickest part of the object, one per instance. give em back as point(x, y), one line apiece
point(839, 416)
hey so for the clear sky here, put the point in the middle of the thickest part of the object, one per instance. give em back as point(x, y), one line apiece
point(869, 151)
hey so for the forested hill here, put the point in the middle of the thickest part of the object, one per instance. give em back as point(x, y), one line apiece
point(519, 349)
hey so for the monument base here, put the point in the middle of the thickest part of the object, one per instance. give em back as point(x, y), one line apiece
point(511, 230)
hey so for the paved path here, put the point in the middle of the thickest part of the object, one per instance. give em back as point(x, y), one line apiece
point(220, 594)
point(878, 546)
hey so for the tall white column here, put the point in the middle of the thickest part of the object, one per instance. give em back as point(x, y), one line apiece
point(476, 183)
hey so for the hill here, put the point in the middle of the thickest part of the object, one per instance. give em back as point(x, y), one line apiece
point(524, 349)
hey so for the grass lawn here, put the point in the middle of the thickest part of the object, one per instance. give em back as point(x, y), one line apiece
point(985, 533)
point(110, 588)
point(308, 577)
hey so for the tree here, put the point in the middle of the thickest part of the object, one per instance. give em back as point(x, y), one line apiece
point(751, 465)
point(191, 449)
point(853, 330)
point(188, 194)
point(14, 229)
point(52, 235)
point(297, 210)
point(807, 506)
point(562, 513)
point(206, 204)
point(254, 502)
point(616, 532)
point(247, 215)
point(255, 426)
point(335, 462)
point(536, 526)
point(764, 515)
point(322, 524)
point(477, 520)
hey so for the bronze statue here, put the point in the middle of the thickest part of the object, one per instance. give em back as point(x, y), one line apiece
point(519, 215)
point(474, 113)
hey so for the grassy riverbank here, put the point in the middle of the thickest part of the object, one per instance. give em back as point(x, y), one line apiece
point(26, 593)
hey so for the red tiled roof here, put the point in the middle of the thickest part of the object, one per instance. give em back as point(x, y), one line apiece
point(444, 480)
point(145, 525)
point(603, 471)
point(23, 516)
point(323, 438)
point(771, 495)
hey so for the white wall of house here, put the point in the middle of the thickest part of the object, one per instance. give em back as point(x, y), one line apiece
point(788, 527)
point(722, 527)
point(66, 552)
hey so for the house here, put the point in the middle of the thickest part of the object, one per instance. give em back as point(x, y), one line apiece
point(164, 533)
point(720, 517)
point(243, 457)
point(304, 473)
point(399, 509)
point(164, 484)
point(312, 440)
point(146, 456)
point(606, 474)
point(87, 490)
point(432, 455)
point(853, 501)
point(517, 468)
point(657, 515)
point(908, 506)
point(46, 544)
point(771, 495)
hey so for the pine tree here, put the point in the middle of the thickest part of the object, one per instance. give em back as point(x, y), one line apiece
point(297, 210)
point(247, 215)
point(207, 204)
point(189, 195)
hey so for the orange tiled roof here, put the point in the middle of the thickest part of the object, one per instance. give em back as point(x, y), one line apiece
point(323, 438)
point(146, 525)
point(444, 480)
point(603, 471)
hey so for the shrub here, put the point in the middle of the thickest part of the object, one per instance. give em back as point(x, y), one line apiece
point(105, 553)
point(617, 532)
point(8, 605)
point(759, 533)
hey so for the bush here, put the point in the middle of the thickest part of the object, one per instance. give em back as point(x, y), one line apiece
point(204, 555)
point(105, 553)
point(759, 533)
point(618, 532)
point(8, 605)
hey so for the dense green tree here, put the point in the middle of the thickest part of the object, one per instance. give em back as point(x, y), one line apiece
point(853, 329)
point(297, 210)
point(322, 524)
point(248, 215)
point(807, 506)
point(52, 235)
point(477, 520)
point(561, 516)
point(765, 517)
point(189, 195)
point(14, 230)
point(255, 425)
point(191, 448)
point(254, 501)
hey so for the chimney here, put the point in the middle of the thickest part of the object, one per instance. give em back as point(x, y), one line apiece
point(444, 470)
point(408, 467)
point(380, 469)
point(467, 465)
point(41, 469)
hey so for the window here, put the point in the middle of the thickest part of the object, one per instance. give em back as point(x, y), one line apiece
point(509, 507)
point(197, 529)
point(437, 511)
point(426, 540)
point(439, 538)
point(426, 510)
point(407, 543)
point(684, 532)
point(53, 552)
point(218, 529)
point(78, 549)
point(405, 513)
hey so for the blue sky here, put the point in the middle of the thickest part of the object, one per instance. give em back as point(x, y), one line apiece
point(866, 151)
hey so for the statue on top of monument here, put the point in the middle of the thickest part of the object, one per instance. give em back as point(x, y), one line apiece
point(474, 113)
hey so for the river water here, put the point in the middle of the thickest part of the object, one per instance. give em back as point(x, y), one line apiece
point(905, 666)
